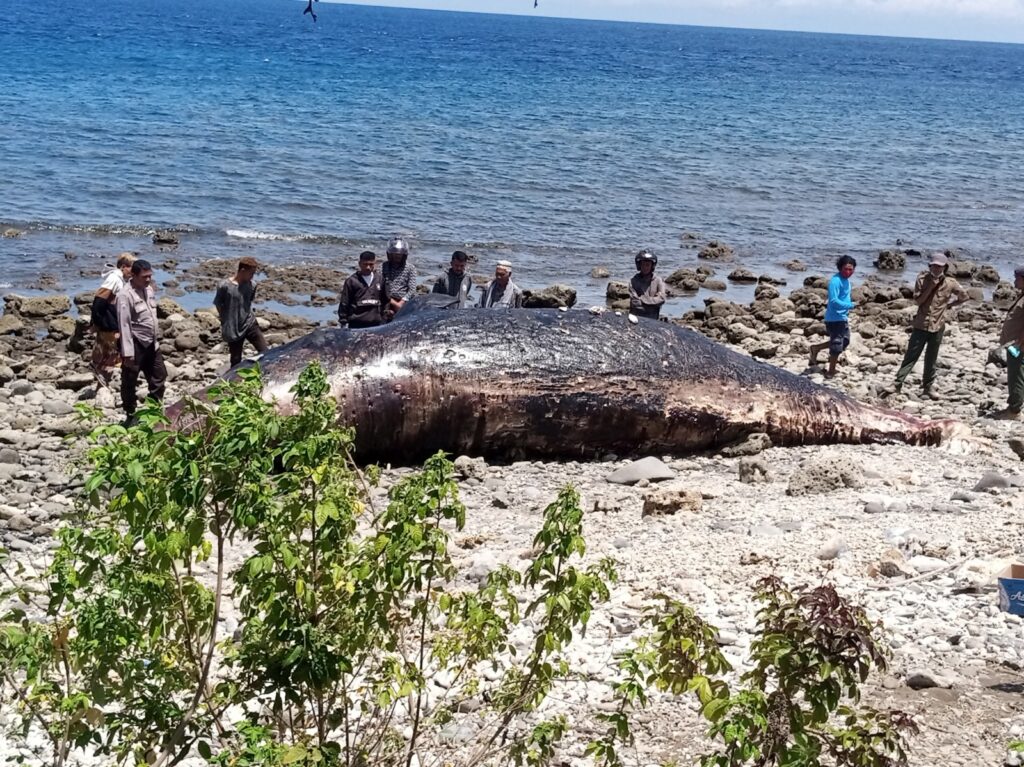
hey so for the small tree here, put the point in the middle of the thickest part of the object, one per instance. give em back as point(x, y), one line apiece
point(799, 703)
point(345, 612)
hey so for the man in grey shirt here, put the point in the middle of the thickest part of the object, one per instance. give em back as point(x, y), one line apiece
point(136, 317)
point(234, 306)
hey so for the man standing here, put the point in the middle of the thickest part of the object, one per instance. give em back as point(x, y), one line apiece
point(501, 292)
point(935, 293)
point(105, 355)
point(455, 282)
point(234, 306)
point(1012, 337)
point(398, 277)
point(362, 298)
point(136, 316)
point(837, 313)
point(646, 291)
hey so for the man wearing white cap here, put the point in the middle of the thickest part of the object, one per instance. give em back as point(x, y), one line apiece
point(934, 293)
point(501, 292)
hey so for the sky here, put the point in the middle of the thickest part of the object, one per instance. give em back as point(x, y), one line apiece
point(993, 20)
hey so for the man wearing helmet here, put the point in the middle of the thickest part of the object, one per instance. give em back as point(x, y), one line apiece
point(647, 292)
point(398, 278)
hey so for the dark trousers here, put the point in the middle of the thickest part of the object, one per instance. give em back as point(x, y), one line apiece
point(921, 341)
point(150, 362)
point(254, 336)
point(1015, 378)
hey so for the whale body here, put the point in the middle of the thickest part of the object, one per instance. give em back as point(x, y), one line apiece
point(550, 383)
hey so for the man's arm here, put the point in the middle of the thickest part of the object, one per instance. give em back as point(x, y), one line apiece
point(345, 304)
point(657, 294)
point(923, 289)
point(220, 301)
point(124, 323)
point(962, 296)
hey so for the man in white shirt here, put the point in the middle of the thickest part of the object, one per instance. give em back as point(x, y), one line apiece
point(105, 354)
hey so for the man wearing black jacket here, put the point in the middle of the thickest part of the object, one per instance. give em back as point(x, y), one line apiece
point(362, 298)
point(456, 282)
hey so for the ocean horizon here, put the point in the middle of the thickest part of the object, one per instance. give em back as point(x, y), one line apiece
point(559, 144)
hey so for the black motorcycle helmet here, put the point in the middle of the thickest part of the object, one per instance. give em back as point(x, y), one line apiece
point(645, 255)
point(397, 246)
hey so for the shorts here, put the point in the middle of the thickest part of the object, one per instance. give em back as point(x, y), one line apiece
point(838, 337)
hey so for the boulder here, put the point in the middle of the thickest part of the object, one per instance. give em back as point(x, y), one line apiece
point(165, 307)
point(600, 273)
point(686, 280)
point(823, 474)
point(753, 470)
point(75, 381)
point(796, 265)
point(752, 445)
point(715, 251)
point(671, 499)
point(42, 373)
point(988, 274)
point(649, 468)
point(743, 276)
point(617, 295)
point(1004, 293)
point(552, 297)
point(188, 341)
point(11, 232)
point(891, 261)
point(165, 237)
point(61, 328)
point(37, 306)
point(10, 325)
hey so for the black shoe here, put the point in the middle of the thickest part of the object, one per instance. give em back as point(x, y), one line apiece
point(130, 421)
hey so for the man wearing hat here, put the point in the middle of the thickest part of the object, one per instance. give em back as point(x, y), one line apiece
point(1012, 337)
point(234, 307)
point(935, 293)
point(501, 292)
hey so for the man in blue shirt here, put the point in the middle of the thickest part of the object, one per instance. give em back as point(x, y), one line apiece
point(837, 312)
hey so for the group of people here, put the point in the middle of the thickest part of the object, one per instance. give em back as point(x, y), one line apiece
point(935, 294)
point(125, 320)
point(124, 313)
point(372, 296)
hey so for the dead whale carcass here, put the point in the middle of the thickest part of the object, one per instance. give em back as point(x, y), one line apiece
point(566, 384)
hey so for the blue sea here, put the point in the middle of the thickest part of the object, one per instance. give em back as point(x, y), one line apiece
point(559, 144)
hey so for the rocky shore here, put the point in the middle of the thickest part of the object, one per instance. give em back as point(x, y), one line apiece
point(916, 534)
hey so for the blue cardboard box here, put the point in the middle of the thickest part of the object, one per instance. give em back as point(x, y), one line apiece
point(1011, 589)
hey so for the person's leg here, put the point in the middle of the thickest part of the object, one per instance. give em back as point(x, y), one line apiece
point(931, 358)
point(129, 385)
point(156, 374)
point(815, 350)
point(235, 350)
point(255, 336)
point(1015, 380)
point(915, 346)
point(838, 340)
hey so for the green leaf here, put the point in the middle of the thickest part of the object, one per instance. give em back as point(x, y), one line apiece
point(294, 754)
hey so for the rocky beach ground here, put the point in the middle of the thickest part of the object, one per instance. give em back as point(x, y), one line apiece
point(915, 534)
